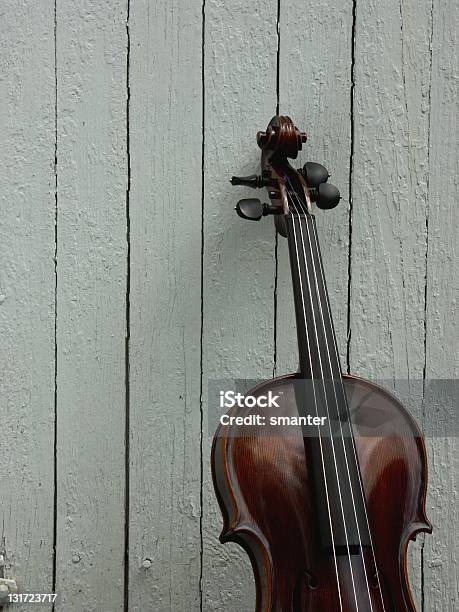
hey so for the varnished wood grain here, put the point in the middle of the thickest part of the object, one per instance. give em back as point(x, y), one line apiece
point(263, 484)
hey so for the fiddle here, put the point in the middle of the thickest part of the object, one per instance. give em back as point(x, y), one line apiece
point(325, 487)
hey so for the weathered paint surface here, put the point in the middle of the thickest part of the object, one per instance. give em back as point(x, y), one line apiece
point(442, 335)
point(159, 288)
point(165, 305)
point(91, 304)
point(27, 282)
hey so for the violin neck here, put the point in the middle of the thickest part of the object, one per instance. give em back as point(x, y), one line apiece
point(317, 348)
point(333, 461)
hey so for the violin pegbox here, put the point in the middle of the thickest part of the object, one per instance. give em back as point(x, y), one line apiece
point(281, 141)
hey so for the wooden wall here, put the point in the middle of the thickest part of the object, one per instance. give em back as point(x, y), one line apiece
point(127, 283)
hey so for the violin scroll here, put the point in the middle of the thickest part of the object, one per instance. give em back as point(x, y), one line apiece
point(282, 137)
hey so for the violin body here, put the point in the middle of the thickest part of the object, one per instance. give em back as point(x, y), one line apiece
point(261, 479)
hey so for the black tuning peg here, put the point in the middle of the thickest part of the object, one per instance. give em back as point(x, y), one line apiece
point(253, 210)
point(327, 196)
point(254, 180)
point(314, 174)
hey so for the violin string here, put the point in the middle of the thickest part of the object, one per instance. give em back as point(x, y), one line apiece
point(336, 397)
point(326, 405)
point(344, 396)
point(318, 427)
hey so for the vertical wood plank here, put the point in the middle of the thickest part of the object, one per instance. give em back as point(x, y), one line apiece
point(240, 84)
point(315, 90)
point(165, 229)
point(91, 303)
point(389, 186)
point(27, 281)
point(442, 339)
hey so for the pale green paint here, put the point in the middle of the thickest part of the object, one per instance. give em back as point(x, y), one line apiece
point(141, 87)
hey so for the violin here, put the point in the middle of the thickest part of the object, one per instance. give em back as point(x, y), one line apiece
point(324, 487)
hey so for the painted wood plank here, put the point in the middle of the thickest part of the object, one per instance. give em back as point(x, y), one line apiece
point(27, 282)
point(389, 187)
point(91, 303)
point(240, 85)
point(315, 90)
point(441, 589)
point(165, 305)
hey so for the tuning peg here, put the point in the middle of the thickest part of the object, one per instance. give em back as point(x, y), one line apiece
point(314, 174)
point(251, 209)
point(328, 196)
point(254, 180)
